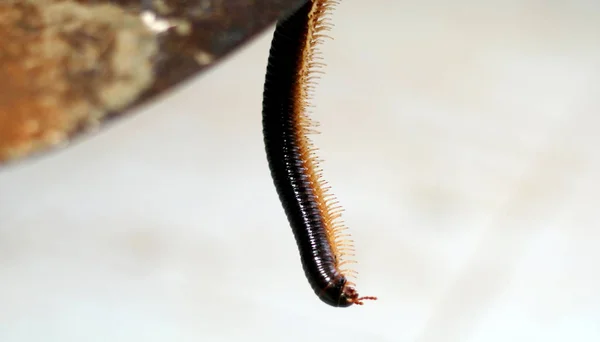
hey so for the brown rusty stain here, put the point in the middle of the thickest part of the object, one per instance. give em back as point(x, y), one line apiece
point(68, 66)
point(74, 63)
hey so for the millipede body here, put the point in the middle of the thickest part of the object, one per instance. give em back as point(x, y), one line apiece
point(312, 211)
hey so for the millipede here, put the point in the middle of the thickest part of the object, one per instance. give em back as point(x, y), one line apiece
point(312, 210)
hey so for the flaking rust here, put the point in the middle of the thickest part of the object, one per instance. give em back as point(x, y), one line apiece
point(68, 65)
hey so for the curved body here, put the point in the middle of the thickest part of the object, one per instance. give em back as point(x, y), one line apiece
point(309, 207)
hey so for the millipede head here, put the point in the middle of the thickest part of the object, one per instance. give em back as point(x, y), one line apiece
point(351, 296)
point(341, 293)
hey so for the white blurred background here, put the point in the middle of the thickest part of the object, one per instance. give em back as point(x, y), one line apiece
point(460, 137)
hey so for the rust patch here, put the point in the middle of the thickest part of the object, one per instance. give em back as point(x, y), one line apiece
point(67, 66)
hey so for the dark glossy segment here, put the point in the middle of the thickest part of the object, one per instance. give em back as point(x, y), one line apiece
point(195, 35)
point(283, 154)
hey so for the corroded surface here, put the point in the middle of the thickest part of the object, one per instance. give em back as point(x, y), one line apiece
point(68, 65)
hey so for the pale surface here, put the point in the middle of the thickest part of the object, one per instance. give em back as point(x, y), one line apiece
point(460, 138)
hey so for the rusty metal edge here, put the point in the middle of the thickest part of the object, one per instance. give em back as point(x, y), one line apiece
point(279, 10)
